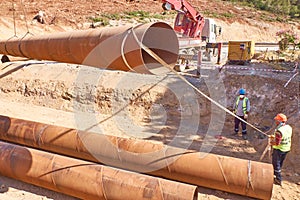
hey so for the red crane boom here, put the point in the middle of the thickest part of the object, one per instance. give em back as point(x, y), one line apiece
point(189, 22)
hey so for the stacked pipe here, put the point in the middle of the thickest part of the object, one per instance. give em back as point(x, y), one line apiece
point(116, 48)
point(86, 180)
point(233, 175)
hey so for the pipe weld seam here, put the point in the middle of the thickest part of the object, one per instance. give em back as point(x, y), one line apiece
point(118, 150)
point(161, 189)
point(222, 170)
point(52, 164)
point(249, 182)
point(102, 182)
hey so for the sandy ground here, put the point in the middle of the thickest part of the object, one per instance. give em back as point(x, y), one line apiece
point(57, 99)
point(16, 190)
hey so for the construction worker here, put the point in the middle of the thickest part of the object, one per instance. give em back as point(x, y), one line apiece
point(241, 108)
point(281, 142)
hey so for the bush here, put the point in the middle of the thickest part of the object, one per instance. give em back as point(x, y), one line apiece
point(286, 7)
point(288, 37)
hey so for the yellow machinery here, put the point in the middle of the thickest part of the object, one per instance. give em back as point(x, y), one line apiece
point(240, 51)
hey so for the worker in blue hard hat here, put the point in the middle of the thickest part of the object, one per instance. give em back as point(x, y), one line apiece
point(241, 108)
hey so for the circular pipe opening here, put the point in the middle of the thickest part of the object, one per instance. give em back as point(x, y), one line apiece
point(162, 40)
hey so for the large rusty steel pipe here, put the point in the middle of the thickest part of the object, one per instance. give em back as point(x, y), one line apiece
point(86, 180)
point(114, 48)
point(245, 177)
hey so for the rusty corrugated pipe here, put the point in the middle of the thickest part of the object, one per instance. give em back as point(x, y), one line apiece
point(245, 177)
point(86, 180)
point(109, 48)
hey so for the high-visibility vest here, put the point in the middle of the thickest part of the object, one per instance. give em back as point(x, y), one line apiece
point(244, 104)
point(286, 141)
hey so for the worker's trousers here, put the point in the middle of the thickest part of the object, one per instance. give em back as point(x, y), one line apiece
point(277, 161)
point(237, 123)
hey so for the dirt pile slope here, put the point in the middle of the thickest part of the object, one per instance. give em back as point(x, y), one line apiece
point(245, 23)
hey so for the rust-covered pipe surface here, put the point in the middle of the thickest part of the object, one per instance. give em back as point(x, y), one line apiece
point(86, 180)
point(229, 174)
point(114, 48)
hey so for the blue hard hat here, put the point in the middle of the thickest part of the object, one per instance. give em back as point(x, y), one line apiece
point(242, 91)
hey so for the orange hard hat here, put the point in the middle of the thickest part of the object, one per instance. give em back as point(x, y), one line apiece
point(281, 117)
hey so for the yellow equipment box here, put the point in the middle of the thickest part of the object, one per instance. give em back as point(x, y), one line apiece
point(240, 51)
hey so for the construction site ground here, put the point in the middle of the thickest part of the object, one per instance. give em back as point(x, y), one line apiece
point(58, 93)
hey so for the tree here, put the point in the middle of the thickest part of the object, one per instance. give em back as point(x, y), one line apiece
point(288, 37)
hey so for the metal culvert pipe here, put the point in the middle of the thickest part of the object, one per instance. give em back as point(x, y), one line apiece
point(115, 48)
point(244, 177)
point(86, 180)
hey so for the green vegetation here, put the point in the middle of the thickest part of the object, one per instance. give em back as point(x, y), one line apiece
point(104, 21)
point(137, 15)
point(142, 15)
point(266, 17)
point(283, 7)
point(288, 37)
point(215, 15)
point(227, 15)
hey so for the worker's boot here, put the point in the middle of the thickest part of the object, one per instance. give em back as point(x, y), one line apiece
point(277, 182)
point(234, 134)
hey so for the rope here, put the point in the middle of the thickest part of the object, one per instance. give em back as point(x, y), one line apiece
point(14, 17)
point(25, 18)
point(166, 160)
point(122, 49)
point(162, 62)
point(267, 149)
point(5, 44)
point(290, 79)
point(20, 42)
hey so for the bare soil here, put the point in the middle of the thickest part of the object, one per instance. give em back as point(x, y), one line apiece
point(49, 93)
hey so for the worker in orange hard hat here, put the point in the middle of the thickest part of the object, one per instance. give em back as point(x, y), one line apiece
point(281, 142)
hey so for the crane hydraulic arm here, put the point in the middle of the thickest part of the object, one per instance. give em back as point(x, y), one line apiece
point(194, 33)
point(181, 6)
point(189, 21)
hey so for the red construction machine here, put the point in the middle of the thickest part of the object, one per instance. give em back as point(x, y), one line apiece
point(196, 34)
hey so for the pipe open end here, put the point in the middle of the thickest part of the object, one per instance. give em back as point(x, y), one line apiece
point(163, 43)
